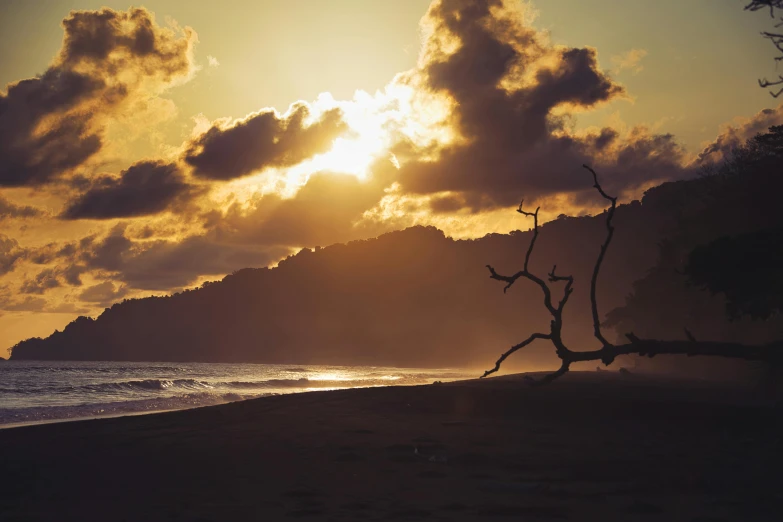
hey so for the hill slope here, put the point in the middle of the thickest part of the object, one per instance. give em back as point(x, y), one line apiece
point(408, 298)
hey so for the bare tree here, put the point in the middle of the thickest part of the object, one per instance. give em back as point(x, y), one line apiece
point(771, 353)
point(775, 37)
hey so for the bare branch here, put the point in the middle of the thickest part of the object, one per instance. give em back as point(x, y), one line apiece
point(775, 38)
point(604, 248)
point(534, 215)
point(755, 5)
point(553, 278)
point(514, 349)
point(508, 279)
point(771, 353)
point(766, 83)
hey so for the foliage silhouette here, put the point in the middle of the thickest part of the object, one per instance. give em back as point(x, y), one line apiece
point(746, 269)
point(738, 197)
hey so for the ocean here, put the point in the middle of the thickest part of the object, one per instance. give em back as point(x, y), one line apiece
point(49, 391)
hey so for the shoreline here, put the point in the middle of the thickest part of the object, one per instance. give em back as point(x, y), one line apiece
point(638, 378)
point(589, 446)
point(63, 391)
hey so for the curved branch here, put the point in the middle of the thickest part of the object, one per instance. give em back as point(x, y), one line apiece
point(514, 349)
point(510, 280)
point(534, 215)
point(604, 248)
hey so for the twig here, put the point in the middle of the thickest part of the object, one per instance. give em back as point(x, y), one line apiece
point(534, 215)
point(514, 349)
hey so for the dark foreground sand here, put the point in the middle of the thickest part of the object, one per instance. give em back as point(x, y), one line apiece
point(588, 447)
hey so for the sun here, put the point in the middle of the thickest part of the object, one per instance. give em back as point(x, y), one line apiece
point(375, 122)
point(366, 139)
point(349, 156)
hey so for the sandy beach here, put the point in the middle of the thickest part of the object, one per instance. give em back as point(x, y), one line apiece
point(589, 447)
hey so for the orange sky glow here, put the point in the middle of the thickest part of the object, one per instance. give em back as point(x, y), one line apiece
point(147, 150)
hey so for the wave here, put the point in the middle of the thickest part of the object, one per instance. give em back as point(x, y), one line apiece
point(310, 383)
point(117, 387)
point(192, 385)
point(148, 384)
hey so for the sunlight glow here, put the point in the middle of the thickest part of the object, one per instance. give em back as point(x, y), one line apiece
point(376, 123)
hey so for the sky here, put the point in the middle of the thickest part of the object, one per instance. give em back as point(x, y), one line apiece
point(146, 150)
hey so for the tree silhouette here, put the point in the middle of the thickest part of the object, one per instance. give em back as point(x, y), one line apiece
point(771, 353)
point(732, 266)
point(775, 37)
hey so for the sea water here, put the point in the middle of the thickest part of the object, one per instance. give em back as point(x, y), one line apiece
point(46, 391)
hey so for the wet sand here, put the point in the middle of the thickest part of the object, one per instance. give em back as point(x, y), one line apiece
point(588, 447)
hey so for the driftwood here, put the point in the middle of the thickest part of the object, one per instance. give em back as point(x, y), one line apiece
point(772, 353)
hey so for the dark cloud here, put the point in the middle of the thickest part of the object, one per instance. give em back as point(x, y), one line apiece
point(507, 85)
point(156, 264)
point(112, 40)
point(733, 136)
point(327, 209)
point(147, 187)
point(54, 277)
point(262, 140)
point(168, 264)
point(10, 253)
point(54, 122)
point(103, 293)
point(9, 210)
point(43, 281)
point(12, 302)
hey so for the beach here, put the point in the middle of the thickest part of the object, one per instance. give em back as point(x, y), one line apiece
point(590, 446)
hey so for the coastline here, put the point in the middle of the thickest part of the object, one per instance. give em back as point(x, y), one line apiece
point(587, 447)
point(35, 392)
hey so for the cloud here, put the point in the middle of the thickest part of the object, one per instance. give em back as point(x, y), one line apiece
point(511, 96)
point(630, 60)
point(147, 187)
point(157, 264)
point(54, 277)
point(10, 253)
point(212, 61)
point(43, 281)
point(229, 150)
point(11, 302)
point(10, 210)
point(54, 122)
point(734, 135)
point(103, 293)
